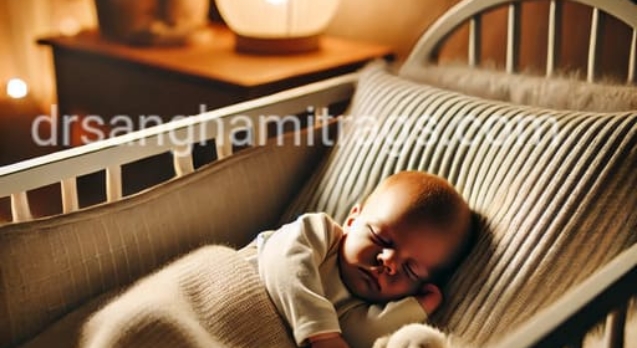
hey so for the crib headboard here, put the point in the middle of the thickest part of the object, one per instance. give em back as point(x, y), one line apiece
point(471, 11)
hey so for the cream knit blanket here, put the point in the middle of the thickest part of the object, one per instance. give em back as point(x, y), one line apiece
point(209, 298)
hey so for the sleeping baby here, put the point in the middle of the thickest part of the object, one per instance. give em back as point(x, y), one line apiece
point(347, 285)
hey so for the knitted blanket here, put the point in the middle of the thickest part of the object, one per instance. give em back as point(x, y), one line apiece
point(209, 298)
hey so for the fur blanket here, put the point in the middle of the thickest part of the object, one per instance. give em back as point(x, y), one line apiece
point(180, 306)
point(565, 92)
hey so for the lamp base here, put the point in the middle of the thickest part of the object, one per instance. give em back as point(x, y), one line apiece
point(273, 46)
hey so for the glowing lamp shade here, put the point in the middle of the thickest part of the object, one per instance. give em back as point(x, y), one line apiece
point(277, 26)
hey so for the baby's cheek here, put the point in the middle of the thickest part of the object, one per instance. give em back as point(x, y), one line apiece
point(411, 287)
point(400, 286)
point(366, 252)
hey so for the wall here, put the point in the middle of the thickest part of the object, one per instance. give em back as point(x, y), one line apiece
point(398, 23)
point(21, 24)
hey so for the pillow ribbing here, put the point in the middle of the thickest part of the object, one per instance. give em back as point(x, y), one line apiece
point(556, 189)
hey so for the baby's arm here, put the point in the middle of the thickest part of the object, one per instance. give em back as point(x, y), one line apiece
point(328, 340)
point(289, 266)
point(363, 324)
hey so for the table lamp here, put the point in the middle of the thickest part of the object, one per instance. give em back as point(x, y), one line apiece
point(277, 26)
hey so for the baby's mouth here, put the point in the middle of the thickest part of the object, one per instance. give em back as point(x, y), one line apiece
point(370, 279)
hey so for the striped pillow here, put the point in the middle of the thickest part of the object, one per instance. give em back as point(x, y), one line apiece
point(555, 188)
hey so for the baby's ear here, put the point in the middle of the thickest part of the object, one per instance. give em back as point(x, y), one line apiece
point(353, 214)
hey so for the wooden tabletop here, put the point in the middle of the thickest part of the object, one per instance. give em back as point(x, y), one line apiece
point(214, 56)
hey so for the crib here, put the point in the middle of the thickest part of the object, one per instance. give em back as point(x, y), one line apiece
point(555, 263)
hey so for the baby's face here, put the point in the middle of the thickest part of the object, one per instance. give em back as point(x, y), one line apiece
point(384, 257)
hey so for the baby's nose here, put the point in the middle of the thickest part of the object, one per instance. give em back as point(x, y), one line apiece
point(387, 260)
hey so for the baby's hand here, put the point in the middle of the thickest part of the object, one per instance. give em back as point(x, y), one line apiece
point(328, 340)
point(430, 297)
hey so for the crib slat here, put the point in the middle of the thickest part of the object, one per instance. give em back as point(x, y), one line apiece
point(592, 46)
point(321, 114)
point(615, 324)
point(321, 120)
point(20, 207)
point(633, 58)
point(182, 160)
point(69, 195)
point(113, 183)
point(259, 135)
point(554, 35)
point(224, 146)
point(513, 46)
point(474, 40)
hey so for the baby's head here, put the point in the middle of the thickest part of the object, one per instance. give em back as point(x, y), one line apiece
point(411, 229)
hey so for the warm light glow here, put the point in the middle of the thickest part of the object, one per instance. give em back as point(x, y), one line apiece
point(69, 26)
point(17, 89)
point(288, 19)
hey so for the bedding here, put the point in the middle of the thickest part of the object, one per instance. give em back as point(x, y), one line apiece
point(554, 190)
point(211, 297)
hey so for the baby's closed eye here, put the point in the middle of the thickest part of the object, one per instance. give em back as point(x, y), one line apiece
point(411, 274)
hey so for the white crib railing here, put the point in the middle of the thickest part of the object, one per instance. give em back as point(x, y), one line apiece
point(566, 322)
point(66, 166)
